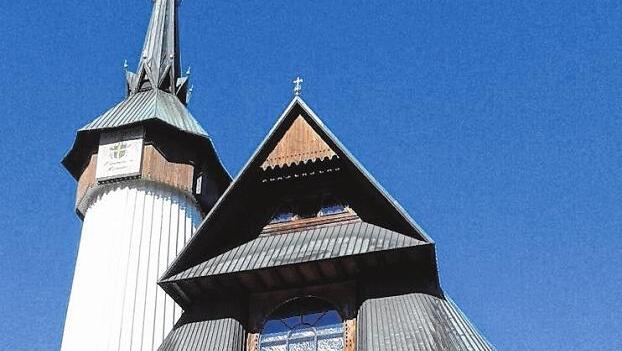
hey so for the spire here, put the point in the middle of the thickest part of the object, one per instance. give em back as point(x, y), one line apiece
point(159, 66)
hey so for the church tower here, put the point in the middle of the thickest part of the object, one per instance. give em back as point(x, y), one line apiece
point(147, 173)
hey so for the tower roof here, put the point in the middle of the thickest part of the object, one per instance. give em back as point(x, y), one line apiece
point(145, 106)
point(156, 90)
point(155, 95)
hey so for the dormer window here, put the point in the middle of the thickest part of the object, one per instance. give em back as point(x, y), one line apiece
point(283, 215)
point(310, 208)
point(332, 209)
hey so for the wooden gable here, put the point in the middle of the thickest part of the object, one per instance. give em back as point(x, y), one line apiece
point(299, 144)
point(298, 139)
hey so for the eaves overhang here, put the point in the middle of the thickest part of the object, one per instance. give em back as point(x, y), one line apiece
point(152, 108)
point(312, 256)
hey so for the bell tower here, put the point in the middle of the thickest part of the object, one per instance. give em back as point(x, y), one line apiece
point(147, 173)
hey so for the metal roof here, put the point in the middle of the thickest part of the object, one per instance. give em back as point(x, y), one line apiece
point(214, 335)
point(157, 90)
point(416, 321)
point(313, 244)
point(160, 66)
point(148, 105)
point(195, 249)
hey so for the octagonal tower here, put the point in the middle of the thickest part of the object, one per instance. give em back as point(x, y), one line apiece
point(147, 173)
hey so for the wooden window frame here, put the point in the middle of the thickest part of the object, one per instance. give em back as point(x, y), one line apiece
point(341, 295)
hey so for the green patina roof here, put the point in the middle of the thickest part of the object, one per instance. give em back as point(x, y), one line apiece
point(146, 106)
point(156, 91)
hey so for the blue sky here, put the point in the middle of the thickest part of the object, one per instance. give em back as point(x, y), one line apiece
point(497, 126)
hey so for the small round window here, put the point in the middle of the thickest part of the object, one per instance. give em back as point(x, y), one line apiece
point(303, 324)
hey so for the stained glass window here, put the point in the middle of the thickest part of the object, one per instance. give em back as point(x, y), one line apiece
point(305, 324)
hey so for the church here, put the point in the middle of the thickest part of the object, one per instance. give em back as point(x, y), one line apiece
point(303, 250)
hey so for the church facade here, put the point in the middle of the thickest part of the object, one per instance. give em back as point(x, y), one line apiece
point(303, 250)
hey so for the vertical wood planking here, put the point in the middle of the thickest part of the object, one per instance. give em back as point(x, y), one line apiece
point(131, 233)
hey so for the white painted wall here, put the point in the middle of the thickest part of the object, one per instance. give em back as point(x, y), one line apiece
point(131, 233)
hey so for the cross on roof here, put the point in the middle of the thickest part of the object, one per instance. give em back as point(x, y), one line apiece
point(298, 86)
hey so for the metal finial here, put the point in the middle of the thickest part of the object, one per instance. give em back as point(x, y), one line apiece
point(298, 86)
point(125, 65)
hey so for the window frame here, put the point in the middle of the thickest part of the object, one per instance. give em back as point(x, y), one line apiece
point(342, 296)
point(327, 307)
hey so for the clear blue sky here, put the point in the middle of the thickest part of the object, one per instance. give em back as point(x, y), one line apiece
point(498, 127)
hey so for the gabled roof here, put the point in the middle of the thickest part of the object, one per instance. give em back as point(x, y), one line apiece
point(312, 244)
point(211, 239)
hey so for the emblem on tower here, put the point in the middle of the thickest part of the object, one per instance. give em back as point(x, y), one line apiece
point(120, 155)
point(117, 151)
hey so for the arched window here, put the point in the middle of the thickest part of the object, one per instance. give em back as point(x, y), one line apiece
point(303, 324)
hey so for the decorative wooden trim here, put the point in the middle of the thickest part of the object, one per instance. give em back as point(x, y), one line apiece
point(350, 335)
point(299, 144)
point(252, 342)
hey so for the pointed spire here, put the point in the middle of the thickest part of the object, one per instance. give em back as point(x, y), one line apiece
point(159, 66)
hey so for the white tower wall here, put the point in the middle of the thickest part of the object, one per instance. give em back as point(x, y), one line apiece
point(132, 231)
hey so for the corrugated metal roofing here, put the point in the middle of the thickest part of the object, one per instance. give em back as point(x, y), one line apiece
point(213, 335)
point(415, 321)
point(148, 105)
point(195, 248)
point(312, 244)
